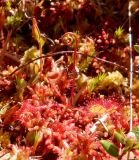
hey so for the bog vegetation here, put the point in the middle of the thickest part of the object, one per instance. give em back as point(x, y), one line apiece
point(65, 80)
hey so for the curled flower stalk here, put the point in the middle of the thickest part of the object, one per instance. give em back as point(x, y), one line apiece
point(71, 39)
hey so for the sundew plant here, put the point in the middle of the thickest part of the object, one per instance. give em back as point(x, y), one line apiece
point(69, 80)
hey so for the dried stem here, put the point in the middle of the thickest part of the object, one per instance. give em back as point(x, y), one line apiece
point(131, 66)
point(70, 52)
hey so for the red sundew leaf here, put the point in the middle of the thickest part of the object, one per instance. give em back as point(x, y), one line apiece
point(29, 115)
point(108, 103)
point(27, 108)
point(101, 106)
point(9, 115)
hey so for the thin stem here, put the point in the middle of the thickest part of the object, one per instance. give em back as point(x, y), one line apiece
point(131, 66)
point(70, 52)
point(74, 70)
point(70, 39)
point(41, 61)
point(128, 155)
point(5, 43)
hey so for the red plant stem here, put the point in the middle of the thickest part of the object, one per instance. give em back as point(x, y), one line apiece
point(74, 70)
point(6, 42)
point(69, 39)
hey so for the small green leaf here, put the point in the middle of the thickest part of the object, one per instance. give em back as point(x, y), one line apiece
point(30, 138)
point(4, 109)
point(119, 137)
point(130, 143)
point(136, 47)
point(136, 146)
point(111, 148)
point(119, 32)
point(20, 82)
point(8, 5)
point(35, 30)
point(15, 20)
point(36, 68)
point(33, 138)
point(20, 87)
point(38, 138)
point(29, 55)
point(94, 82)
point(42, 40)
point(34, 79)
point(36, 33)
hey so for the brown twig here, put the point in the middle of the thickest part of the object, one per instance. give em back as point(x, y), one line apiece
point(70, 52)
